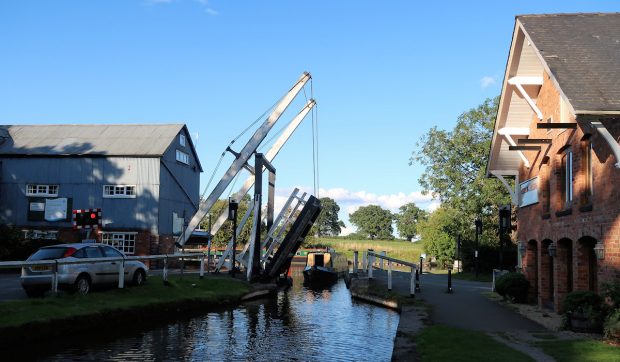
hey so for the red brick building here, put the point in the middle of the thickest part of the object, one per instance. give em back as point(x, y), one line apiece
point(556, 135)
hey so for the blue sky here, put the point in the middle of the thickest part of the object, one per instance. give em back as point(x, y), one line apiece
point(384, 72)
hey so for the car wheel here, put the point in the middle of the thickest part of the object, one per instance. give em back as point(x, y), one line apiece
point(82, 285)
point(34, 292)
point(139, 277)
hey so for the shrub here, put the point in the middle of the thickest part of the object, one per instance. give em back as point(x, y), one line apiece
point(513, 286)
point(611, 293)
point(583, 305)
point(612, 326)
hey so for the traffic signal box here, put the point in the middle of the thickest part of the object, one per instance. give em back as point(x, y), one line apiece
point(87, 219)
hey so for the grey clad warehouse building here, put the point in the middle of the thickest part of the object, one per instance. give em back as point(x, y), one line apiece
point(144, 178)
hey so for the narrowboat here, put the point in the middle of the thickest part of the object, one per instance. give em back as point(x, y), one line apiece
point(324, 267)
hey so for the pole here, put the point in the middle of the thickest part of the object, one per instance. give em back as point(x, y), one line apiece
point(234, 246)
point(449, 281)
point(389, 275)
point(355, 259)
point(417, 280)
point(412, 283)
point(421, 259)
point(478, 227)
point(209, 238)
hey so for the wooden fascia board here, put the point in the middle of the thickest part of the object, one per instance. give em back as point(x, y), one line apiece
point(546, 67)
point(502, 98)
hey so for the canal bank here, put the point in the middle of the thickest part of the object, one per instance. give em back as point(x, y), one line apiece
point(50, 317)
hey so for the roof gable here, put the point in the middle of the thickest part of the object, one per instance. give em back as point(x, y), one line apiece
point(89, 140)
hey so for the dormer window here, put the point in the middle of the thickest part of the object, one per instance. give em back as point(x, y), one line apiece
point(182, 140)
point(182, 157)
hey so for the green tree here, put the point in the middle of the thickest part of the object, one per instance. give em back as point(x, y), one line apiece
point(455, 171)
point(328, 223)
point(437, 233)
point(407, 220)
point(223, 236)
point(373, 221)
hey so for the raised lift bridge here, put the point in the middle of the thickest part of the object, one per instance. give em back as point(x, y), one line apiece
point(269, 258)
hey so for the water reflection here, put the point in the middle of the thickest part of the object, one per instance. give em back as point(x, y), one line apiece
point(299, 325)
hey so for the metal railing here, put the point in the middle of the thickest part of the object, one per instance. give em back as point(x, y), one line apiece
point(368, 262)
point(55, 263)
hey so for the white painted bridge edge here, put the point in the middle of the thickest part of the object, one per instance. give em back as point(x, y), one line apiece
point(368, 261)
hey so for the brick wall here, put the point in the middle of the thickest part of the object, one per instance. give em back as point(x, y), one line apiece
point(580, 224)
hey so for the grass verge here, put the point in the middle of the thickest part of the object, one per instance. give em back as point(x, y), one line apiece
point(398, 249)
point(210, 290)
point(581, 351)
point(441, 343)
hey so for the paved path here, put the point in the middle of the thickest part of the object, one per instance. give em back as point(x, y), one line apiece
point(466, 307)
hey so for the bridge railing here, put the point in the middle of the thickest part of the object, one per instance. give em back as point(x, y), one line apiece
point(55, 263)
point(369, 257)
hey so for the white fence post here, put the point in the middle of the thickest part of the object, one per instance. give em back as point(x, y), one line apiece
point(165, 271)
point(121, 274)
point(355, 258)
point(55, 279)
point(371, 260)
point(381, 260)
point(389, 275)
point(202, 266)
point(365, 261)
point(412, 286)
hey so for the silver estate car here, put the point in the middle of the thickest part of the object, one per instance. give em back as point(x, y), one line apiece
point(37, 279)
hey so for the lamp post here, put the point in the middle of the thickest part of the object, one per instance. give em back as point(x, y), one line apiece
point(232, 215)
point(478, 223)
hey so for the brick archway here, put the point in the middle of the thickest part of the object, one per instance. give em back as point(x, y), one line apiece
point(546, 266)
point(530, 269)
point(587, 264)
point(564, 269)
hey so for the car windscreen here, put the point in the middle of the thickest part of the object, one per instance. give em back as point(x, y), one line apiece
point(49, 253)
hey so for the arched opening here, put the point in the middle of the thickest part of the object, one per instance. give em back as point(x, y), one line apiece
point(564, 267)
point(587, 267)
point(546, 275)
point(531, 268)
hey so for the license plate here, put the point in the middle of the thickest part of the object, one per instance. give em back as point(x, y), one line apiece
point(41, 267)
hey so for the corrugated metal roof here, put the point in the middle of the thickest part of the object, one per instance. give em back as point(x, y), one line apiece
point(583, 53)
point(89, 139)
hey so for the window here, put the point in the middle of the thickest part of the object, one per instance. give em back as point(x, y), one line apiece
point(182, 157)
point(42, 190)
point(182, 140)
point(566, 178)
point(119, 191)
point(108, 252)
point(125, 242)
point(587, 172)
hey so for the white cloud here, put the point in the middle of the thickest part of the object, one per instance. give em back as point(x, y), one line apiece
point(487, 81)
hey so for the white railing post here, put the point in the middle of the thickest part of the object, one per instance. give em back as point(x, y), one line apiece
point(55, 279)
point(121, 274)
point(389, 275)
point(202, 266)
point(412, 284)
point(365, 261)
point(355, 256)
point(371, 260)
point(381, 260)
point(165, 271)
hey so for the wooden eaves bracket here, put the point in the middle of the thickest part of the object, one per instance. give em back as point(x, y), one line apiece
point(600, 127)
point(514, 193)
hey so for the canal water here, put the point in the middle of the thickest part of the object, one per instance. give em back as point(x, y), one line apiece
point(300, 324)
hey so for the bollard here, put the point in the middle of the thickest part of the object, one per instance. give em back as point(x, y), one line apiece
point(202, 266)
point(165, 271)
point(381, 260)
point(449, 281)
point(389, 275)
point(412, 285)
point(355, 257)
point(417, 281)
point(421, 259)
point(121, 274)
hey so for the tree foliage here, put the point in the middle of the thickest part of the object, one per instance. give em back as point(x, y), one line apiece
point(437, 233)
point(407, 220)
point(373, 221)
point(455, 173)
point(328, 224)
point(223, 236)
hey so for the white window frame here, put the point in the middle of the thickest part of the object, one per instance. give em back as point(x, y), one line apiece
point(119, 191)
point(182, 157)
point(123, 241)
point(42, 190)
point(182, 140)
